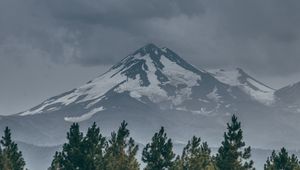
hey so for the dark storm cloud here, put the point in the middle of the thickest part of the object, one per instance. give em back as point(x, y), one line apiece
point(107, 30)
point(265, 33)
point(262, 36)
point(87, 32)
point(278, 20)
point(114, 12)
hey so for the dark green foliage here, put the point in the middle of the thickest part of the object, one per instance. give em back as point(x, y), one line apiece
point(11, 157)
point(282, 161)
point(195, 156)
point(94, 144)
point(81, 152)
point(177, 164)
point(72, 154)
point(158, 154)
point(233, 155)
point(92, 151)
point(57, 161)
point(120, 155)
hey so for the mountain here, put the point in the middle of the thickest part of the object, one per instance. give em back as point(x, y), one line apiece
point(158, 77)
point(289, 96)
point(155, 87)
point(239, 78)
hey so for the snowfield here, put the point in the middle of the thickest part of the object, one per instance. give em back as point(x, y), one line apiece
point(257, 90)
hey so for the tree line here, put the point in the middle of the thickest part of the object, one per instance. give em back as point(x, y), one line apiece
point(93, 151)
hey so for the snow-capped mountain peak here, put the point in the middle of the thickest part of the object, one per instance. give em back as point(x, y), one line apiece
point(149, 72)
point(158, 76)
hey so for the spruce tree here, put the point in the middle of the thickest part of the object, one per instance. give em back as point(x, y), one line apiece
point(81, 152)
point(121, 152)
point(158, 154)
point(233, 155)
point(11, 156)
point(94, 145)
point(282, 161)
point(177, 164)
point(57, 162)
point(196, 155)
point(72, 155)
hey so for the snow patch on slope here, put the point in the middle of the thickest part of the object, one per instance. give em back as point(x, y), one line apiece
point(230, 77)
point(250, 86)
point(176, 75)
point(84, 116)
point(214, 95)
point(202, 111)
point(264, 95)
point(152, 91)
point(179, 75)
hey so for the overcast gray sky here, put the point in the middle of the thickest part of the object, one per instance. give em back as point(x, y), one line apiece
point(50, 46)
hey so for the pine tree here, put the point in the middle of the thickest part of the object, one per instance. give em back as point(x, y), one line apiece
point(195, 156)
point(282, 161)
point(11, 156)
point(177, 164)
point(57, 162)
point(158, 154)
point(81, 152)
point(72, 155)
point(94, 145)
point(121, 152)
point(233, 155)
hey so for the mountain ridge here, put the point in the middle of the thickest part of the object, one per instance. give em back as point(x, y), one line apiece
point(154, 86)
point(140, 65)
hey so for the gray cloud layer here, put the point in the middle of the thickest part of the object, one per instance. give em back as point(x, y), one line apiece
point(262, 36)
